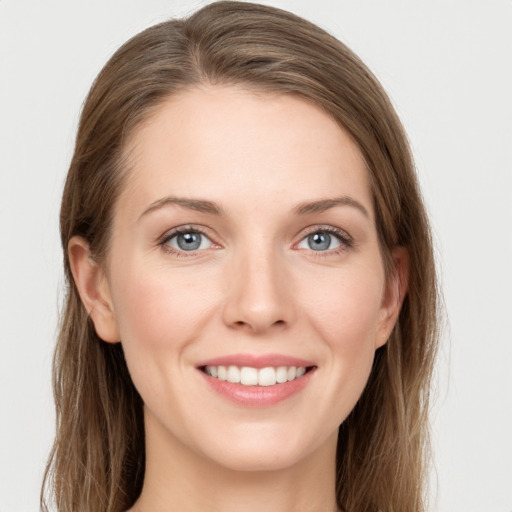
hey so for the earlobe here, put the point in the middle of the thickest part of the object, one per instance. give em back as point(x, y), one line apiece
point(394, 294)
point(94, 290)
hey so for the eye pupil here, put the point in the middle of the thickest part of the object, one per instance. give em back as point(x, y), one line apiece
point(189, 241)
point(319, 241)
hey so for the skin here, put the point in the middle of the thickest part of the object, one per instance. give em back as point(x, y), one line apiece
point(255, 287)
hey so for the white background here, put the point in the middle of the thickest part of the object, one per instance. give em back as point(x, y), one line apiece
point(447, 67)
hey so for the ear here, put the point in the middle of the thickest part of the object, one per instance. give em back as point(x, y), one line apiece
point(94, 290)
point(394, 294)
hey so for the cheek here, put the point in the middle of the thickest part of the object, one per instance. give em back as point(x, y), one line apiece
point(157, 309)
point(160, 314)
point(347, 309)
point(346, 317)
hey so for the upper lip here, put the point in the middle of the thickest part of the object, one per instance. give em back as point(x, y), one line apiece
point(256, 361)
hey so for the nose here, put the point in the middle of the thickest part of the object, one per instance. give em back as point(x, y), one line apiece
point(259, 296)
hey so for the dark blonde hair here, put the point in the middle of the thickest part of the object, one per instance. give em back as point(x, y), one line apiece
point(97, 461)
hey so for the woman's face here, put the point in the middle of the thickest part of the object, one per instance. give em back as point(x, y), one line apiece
point(244, 247)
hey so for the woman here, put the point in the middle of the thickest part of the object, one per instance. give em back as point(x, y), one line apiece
point(251, 314)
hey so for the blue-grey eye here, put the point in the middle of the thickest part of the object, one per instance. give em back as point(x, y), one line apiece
point(320, 241)
point(189, 241)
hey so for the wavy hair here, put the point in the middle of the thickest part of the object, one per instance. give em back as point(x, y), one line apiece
point(98, 457)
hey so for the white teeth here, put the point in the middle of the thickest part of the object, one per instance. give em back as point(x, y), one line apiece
point(267, 376)
point(212, 370)
point(222, 373)
point(282, 374)
point(249, 376)
point(233, 374)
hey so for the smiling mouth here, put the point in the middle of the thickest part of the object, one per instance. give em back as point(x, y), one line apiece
point(249, 376)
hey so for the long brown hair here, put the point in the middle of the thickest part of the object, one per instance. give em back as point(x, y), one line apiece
point(98, 458)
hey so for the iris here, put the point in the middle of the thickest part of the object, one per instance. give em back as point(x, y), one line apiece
point(189, 241)
point(319, 241)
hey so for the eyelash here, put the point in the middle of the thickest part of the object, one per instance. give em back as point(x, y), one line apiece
point(164, 241)
point(346, 241)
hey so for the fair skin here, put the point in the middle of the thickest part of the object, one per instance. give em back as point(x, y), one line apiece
point(277, 257)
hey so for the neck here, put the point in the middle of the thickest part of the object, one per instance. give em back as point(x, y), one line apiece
point(176, 478)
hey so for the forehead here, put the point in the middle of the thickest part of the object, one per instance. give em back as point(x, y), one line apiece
point(231, 144)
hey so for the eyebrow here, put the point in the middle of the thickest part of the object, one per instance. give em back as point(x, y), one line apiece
point(204, 206)
point(326, 204)
point(198, 205)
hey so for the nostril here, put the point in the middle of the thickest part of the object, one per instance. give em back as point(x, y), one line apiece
point(241, 323)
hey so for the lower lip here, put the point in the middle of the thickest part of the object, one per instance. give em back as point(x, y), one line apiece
point(258, 396)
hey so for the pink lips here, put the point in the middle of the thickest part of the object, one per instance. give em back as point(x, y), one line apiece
point(257, 396)
point(256, 361)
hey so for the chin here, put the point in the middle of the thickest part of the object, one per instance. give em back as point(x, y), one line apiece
point(262, 459)
point(264, 449)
